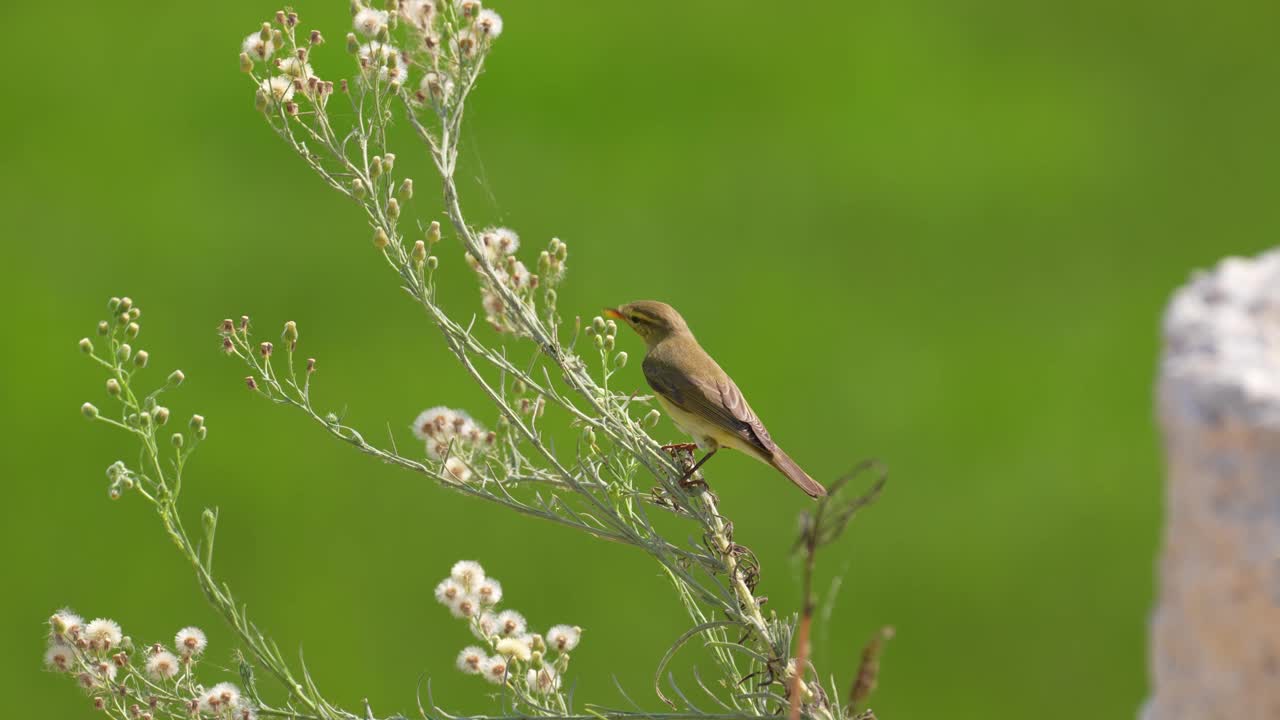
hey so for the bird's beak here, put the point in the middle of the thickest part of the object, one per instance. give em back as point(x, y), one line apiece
point(613, 313)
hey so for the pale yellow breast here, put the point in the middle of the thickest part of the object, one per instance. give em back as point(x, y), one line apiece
point(707, 435)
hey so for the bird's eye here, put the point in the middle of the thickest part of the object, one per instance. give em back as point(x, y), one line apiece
point(635, 319)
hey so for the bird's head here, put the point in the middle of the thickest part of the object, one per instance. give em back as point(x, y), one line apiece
point(654, 321)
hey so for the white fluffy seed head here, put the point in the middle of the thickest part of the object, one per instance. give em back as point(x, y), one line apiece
point(488, 24)
point(103, 634)
point(295, 68)
point(494, 670)
point(278, 88)
point(466, 606)
point(163, 665)
point(60, 657)
point(370, 22)
point(471, 660)
point(485, 625)
point(544, 681)
point(564, 637)
point(511, 624)
point(468, 573)
point(514, 648)
point(458, 469)
point(257, 48)
point(489, 592)
point(190, 641)
point(220, 698)
point(448, 591)
point(105, 670)
point(65, 624)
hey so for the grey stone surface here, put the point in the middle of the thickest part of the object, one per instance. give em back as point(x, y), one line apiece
point(1215, 632)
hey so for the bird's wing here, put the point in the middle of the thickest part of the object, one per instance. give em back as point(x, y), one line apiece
point(718, 401)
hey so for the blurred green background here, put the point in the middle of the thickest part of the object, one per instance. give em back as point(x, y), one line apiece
point(958, 221)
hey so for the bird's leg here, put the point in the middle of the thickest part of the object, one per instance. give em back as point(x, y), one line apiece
point(685, 447)
point(686, 482)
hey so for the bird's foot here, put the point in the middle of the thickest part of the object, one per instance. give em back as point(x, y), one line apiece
point(682, 447)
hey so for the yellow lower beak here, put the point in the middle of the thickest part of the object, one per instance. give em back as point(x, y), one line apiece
point(612, 313)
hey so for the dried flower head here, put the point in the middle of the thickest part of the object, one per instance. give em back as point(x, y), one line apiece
point(485, 625)
point(564, 637)
point(471, 660)
point(190, 641)
point(163, 665)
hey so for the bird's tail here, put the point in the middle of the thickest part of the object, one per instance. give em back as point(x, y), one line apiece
point(788, 467)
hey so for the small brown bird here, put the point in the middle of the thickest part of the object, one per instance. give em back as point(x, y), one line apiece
point(699, 396)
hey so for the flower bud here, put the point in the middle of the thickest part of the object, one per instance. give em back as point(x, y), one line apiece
point(375, 168)
point(177, 440)
point(291, 19)
point(246, 63)
point(175, 378)
point(393, 209)
point(103, 327)
point(210, 522)
point(265, 33)
point(311, 365)
point(406, 189)
point(380, 239)
point(419, 253)
point(197, 422)
point(250, 382)
point(260, 101)
point(141, 358)
point(433, 233)
point(277, 39)
point(389, 160)
point(113, 387)
point(266, 348)
point(202, 433)
point(290, 333)
point(161, 415)
point(358, 189)
point(89, 411)
point(353, 43)
point(315, 38)
point(597, 322)
point(86, 345)
point(133, 329)
point(433, 262)
point(562, 252)
point(598, 340)
point(124, 352)
point(384, 35)
point(651, 419)
point(608, 342)
point(620, 361)
point(113, 305)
